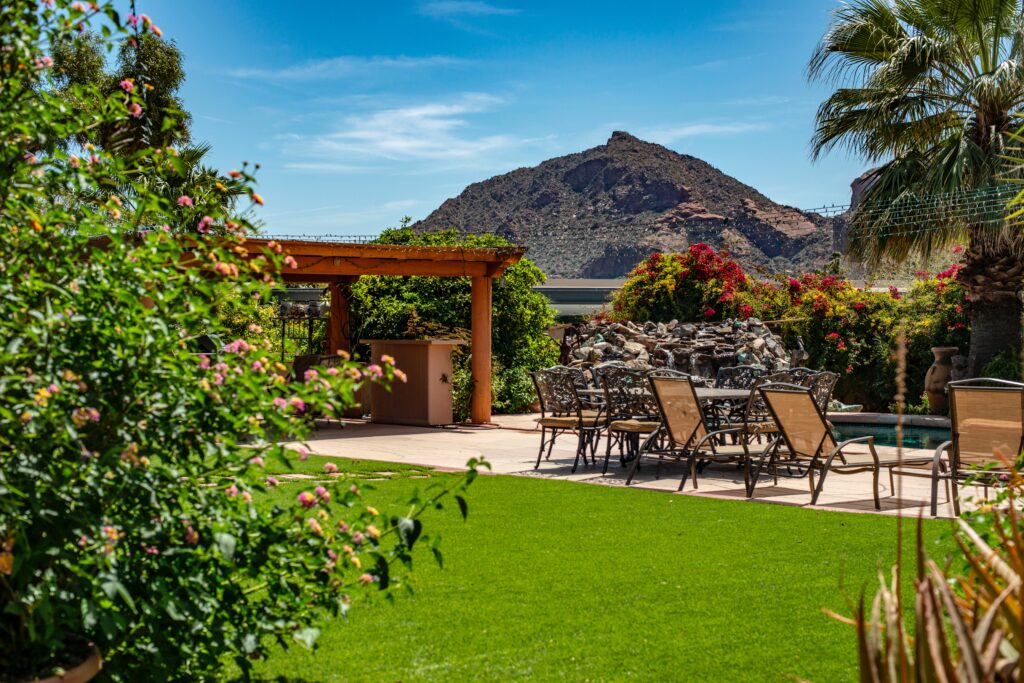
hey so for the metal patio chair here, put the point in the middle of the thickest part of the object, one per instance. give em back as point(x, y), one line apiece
point(738, 377)
point(811, 446)
point(561, 412)
point(987, 429)
point(685, 433)
point(629, 411)
point(821, 385)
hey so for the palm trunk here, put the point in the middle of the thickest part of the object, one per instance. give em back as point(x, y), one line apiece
point(995, 328)
point(993, 273)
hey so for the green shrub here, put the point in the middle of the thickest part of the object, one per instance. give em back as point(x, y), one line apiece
point(130, 466)
point(420, 307)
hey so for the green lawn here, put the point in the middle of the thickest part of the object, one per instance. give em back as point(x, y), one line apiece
point(549, 580)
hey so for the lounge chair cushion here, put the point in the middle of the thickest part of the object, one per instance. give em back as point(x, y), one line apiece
point(634, 426)
point(568, 422)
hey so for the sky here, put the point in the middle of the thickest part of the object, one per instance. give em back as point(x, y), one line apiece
point(360, 113)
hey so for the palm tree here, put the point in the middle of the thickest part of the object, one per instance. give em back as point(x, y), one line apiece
point(928, 91)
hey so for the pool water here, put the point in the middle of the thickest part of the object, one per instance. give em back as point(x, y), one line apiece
point(885, 435)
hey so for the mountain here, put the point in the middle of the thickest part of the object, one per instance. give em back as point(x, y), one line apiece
point(597, 213)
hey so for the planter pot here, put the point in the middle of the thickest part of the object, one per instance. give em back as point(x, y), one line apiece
point(938, 377)
point(85, 671)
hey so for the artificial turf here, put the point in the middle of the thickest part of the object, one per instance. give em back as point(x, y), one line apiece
point(552, 580)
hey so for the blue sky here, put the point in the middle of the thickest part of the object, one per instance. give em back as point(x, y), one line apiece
point(362, 112)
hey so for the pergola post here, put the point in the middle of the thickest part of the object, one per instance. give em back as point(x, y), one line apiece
point(338, 333)
point(480, 350)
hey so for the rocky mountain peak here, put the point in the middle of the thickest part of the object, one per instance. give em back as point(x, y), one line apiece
point(598, 212)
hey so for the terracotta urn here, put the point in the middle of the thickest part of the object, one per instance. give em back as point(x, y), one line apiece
point(938, 377)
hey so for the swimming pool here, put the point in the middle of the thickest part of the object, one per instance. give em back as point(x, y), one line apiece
point(885, 434)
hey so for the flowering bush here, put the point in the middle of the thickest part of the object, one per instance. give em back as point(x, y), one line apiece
point(131, 468)
point(846, 329)
point(698, 284)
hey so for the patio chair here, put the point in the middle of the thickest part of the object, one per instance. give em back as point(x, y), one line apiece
point(986, 421)
point(598, 370)
point(629, 411)
point(738, 377)
point(811, 446)
point(686, 434)
point(562, 411)
point(800, 374)
point(821, 385)
point(582, 382)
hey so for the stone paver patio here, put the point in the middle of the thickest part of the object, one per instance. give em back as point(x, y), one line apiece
point(510, 446)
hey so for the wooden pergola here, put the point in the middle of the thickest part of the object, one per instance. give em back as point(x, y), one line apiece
point(339, 264)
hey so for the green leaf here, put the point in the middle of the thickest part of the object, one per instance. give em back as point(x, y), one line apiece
point(463, 506)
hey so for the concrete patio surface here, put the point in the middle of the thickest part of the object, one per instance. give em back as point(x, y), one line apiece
point(511, 444)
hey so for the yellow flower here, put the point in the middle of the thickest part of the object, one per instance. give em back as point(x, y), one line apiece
point(372, 510)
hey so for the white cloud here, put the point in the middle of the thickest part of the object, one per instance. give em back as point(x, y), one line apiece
point(345, 67)
point(432, 132)
point(463, 8)
point(671, 134)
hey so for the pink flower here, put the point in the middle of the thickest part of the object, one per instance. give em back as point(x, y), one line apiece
point(387, 360)
point(135, 109)
point(246, 496)
point(127, 85)
point(323, 494)
point(401, 375)
point(254, 328)
point(44, 62)
point(315, 527)
point(310, 375)
point(279, 403)
point(307, 499)
point(342, 527)
point(290, 262)
point(151, 550)
point(184, 200)
point(832, 335)
point(708, 312)
point(204, 225)
point(191, 537)
point(257, 366)
point(226, 269)
point(366, 579)
point(272, 482)
point(231, 491)
point(256, 460)
point(204, 362)
point(330, 468)
point(303, 452)
point(358, 537)
point(133, 20)
point(297, 403)
point(373, 371)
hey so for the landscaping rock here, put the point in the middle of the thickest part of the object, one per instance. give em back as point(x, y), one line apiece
point(696, 348)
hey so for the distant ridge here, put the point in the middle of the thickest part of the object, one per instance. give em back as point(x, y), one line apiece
point(595, 214)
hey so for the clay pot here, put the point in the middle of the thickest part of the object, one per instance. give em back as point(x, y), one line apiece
point(937, 378)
